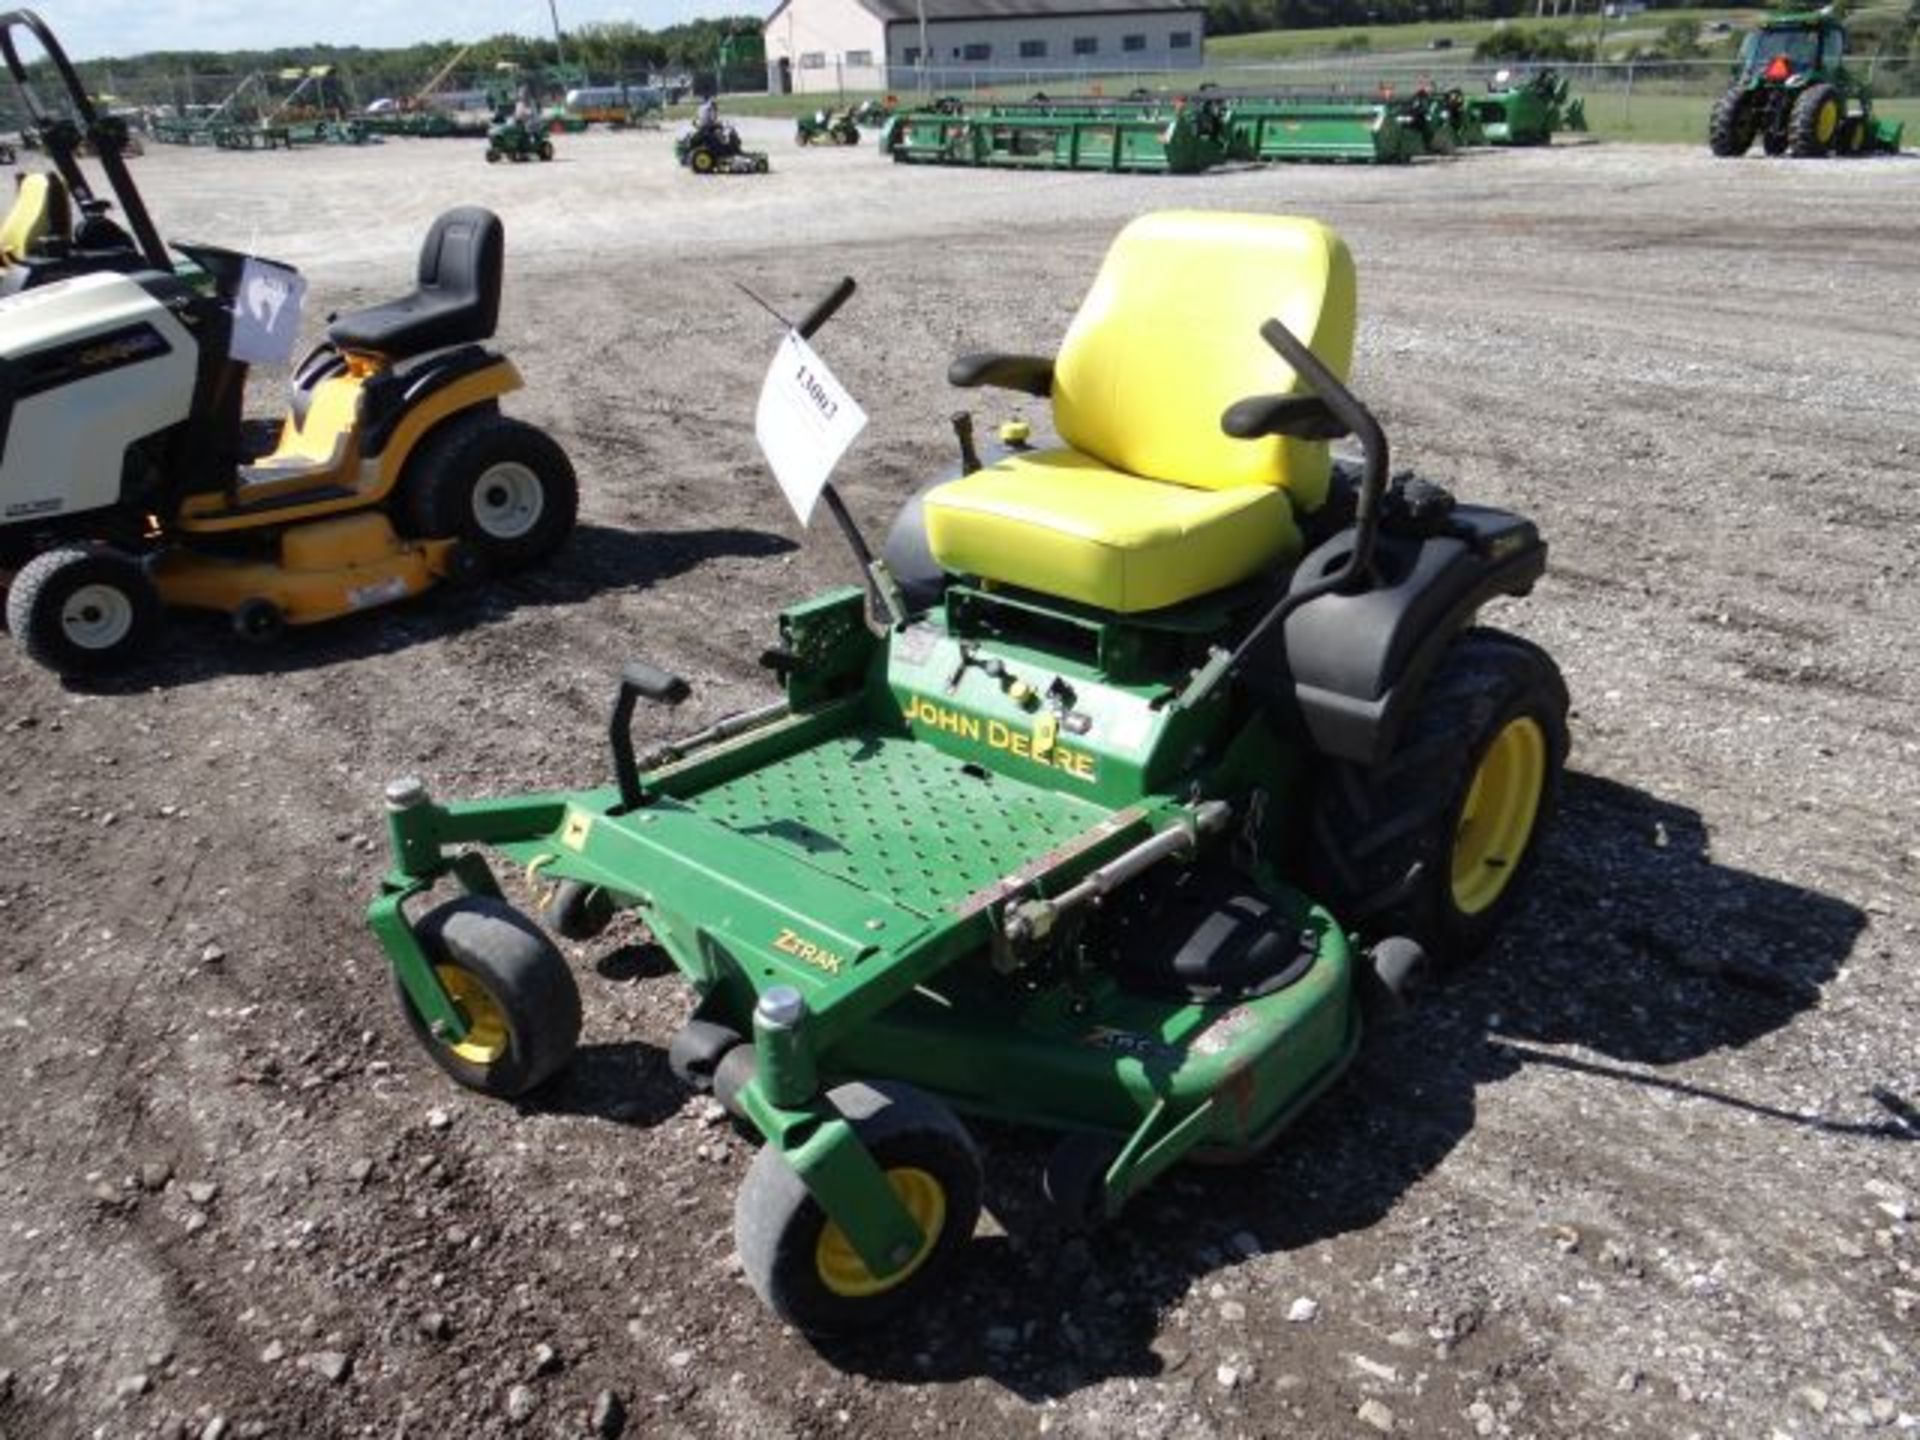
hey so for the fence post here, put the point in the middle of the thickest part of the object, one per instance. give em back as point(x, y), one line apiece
point(1626, 118)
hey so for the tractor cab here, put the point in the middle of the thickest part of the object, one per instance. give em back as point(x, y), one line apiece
point(1787, 46)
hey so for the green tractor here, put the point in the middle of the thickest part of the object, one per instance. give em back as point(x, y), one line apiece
point(1792, 92)
point(1140, 767)
point(514, 138)
point(827, 127)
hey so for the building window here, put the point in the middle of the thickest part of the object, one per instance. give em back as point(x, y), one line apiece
point(1180, 40)
point(976, 51)
point(860, 59)
point(813, 60)
point(911, 56)
point(1033, 49)
point(1086, 45)
point(1133, 42)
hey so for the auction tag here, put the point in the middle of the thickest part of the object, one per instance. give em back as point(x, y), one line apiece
point(805, 423)
point(266, 313)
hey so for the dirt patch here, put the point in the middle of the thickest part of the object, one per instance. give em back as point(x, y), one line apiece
point(1627, 1176)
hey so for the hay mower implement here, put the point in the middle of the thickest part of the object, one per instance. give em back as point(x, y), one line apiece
point(1139, 763)
point(1526, 112)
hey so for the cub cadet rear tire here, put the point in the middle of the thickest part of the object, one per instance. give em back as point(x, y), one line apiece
point(800, 1263)
point(514, 987)
point(83, 610)
point(1433, 842)
point(1815, 122)
point(498, 485)
point(1731, 129)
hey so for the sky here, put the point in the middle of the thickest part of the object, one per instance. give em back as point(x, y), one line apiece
point(90, 29)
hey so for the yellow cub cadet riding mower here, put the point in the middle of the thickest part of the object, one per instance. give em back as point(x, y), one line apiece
point(129, 481)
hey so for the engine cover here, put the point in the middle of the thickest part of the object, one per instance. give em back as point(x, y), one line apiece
point(88, 367)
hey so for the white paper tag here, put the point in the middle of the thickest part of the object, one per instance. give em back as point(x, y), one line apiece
point(805, 423)
point(266, 314)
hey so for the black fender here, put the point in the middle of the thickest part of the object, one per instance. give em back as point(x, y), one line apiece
point(909, 558)
point(386, 398)
point(1352, 664)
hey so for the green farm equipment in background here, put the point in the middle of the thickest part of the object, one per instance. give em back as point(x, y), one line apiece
point(1526, 112)
point(517, 139)
point(1140, 767)
point(1179, 137)
point(873, 114)
point(827, 127)
point(1326, 128)
point(1792, 92)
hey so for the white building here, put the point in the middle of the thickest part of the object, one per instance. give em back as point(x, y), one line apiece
point(816, 46)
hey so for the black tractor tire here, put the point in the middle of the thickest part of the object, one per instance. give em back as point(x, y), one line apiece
point(1851, 139)
point(701, 161)
point(545, 151)
point(1815, 123)
point(1386, 839)
point(781, 1233)
point(83, 610)
point(1734, 123)
point(514, 986)
point(575, 910)
point(493, 156)
point(500, 486)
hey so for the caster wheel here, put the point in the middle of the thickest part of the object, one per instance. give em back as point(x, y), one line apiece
point(258, 622)
point(576, 911)
point(1074, 1179)
point(696, 1050)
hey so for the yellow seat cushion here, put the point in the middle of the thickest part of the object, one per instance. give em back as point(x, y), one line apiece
point(1062, 523)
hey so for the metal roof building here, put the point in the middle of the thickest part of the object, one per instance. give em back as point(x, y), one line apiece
point(827, 46)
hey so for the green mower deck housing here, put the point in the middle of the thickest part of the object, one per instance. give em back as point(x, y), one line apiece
point(1792, 91)
point(1528, 112)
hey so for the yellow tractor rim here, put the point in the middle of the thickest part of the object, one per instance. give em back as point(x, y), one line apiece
point(1827, 121)
point(486, 1038)
point(843, 1271)
point(1497, 819)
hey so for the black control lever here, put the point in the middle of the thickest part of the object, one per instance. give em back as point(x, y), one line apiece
point(638, 681)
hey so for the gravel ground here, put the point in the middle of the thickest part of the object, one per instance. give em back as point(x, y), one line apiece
point(1642, 1171)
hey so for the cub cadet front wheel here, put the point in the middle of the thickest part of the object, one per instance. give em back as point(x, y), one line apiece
point(1815, 122)
point(501, 486)
point(1433, 842)
point(81, 610)
point(801, 1263)
point(511, 986)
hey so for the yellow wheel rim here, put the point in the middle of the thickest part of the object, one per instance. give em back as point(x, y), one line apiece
point(1827, 121)
point(843, 1271)
point(486, 1038)
point(1497, 820)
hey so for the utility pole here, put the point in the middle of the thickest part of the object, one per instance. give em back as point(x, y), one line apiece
point(559, 44)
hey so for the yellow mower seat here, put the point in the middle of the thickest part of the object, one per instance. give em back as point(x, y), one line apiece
point(1150, 503)
point(39, 209)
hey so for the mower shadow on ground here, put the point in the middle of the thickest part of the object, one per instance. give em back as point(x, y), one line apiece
point(596, 559)
point(1633, 944)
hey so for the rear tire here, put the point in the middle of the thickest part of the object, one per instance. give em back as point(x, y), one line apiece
point(1731, 129)
point(798, 1261)
point(83, 610)
point(1815, 122)
point(546, 150)
point(498, 485)
point(513, 986)
point(1435, 841)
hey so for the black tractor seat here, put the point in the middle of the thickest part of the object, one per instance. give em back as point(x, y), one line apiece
point(456, 302)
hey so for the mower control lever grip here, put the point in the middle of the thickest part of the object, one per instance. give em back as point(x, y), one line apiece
point(1303, 417)
point(638, 681)
point(824, 311)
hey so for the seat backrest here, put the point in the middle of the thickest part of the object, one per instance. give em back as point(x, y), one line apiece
point(464, 258)
point(1169, 337)
point(40, 209)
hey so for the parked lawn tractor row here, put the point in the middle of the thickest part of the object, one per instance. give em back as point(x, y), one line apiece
point(1192, 133)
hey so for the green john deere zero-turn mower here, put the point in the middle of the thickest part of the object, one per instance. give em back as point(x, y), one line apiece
point(516, 139)
point(1141, 762)
point(1791, 91)
point(716, 150)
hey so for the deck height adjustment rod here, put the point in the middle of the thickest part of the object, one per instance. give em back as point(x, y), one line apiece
point(1035, 919)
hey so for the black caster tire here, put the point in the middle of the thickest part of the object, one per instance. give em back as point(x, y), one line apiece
point(577, 911)
point(258, 621)
point(800, 1263)
point(512, 985)
point(1074, 1178)
point(697, 1049)
point(83, 610)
